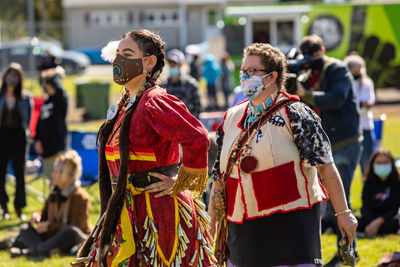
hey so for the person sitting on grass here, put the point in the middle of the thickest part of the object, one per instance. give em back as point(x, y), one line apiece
point(63, 223)
point(380, 196)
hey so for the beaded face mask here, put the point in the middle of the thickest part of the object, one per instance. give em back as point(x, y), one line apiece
point(125, 69)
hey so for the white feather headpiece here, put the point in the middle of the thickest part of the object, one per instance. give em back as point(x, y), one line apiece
point(109, 52)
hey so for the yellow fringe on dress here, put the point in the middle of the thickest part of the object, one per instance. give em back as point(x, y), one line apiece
point(127, 247)
point(193, 181)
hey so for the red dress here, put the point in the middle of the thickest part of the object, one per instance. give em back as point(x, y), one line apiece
point(166, 231)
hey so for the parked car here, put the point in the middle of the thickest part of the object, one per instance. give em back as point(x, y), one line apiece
point(18, 51)
point(94, 54)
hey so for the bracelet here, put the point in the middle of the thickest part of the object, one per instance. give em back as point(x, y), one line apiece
point(342, 212)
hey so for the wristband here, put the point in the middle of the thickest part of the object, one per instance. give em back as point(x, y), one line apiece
point(342, 212)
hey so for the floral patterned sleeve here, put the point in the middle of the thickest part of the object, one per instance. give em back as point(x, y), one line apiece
point(219, 138)
point(311, 140)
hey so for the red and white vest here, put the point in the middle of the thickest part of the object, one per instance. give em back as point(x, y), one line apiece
point(280, 183)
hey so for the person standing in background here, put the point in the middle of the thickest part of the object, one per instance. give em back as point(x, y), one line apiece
point(211, 72)
point(51, 129)
point(15, 116)
point(194, 67)
point(364, 88)
point(184, 87)
point(45, 62)
point(227, 68)
point(238, 96)
point(334, 96)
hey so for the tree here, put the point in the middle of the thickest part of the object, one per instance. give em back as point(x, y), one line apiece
point(14, 17)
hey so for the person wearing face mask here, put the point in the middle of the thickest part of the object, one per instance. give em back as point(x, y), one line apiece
point(364, 88)
point(181, 85)
point(149, 216)
point(266, 195)
point(15, 116)
point(63, 222)
point(51, 129)
point(332, 95)
point(380, 196)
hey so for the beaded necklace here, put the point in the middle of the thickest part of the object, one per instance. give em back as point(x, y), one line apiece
point(254, 112)
point(131, 100)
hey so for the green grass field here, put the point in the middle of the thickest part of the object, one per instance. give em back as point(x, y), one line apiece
point(69, 83)
point(370, 250)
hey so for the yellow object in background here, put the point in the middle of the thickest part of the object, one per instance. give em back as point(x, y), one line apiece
point(202, 84)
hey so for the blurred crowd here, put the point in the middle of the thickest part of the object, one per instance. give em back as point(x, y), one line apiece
point(217, 74)
point(17, 142)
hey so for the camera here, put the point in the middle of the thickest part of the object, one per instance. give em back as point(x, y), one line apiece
point(298, 69)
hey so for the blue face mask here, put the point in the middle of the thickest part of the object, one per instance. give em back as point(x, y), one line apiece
point(383, 170)
point(174, 71)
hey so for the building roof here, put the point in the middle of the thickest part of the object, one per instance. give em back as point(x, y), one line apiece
point(108, 3)
point(266, 10)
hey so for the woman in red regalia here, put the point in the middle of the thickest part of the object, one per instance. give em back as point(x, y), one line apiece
point(149, 216)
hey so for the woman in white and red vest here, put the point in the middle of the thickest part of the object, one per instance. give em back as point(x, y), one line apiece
point(273, 192)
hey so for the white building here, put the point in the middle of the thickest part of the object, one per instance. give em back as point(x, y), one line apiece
point(179, 22)
point(275, 24)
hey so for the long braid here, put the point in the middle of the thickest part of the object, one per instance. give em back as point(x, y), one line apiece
point(104, 173)
point(152, 45)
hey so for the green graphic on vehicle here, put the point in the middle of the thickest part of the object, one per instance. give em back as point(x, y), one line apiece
point(372, 30)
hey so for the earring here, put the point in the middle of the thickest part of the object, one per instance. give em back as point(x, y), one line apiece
point(124, 92)
point(127, 93)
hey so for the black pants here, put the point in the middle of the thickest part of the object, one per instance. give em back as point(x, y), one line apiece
point(13, 148)
point(65, 240)
point(212, 96)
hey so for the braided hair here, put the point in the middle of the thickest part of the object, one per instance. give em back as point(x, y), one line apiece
point(150, 44)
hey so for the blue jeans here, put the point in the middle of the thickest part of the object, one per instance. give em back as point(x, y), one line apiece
point(368, 148)
point(346, 161)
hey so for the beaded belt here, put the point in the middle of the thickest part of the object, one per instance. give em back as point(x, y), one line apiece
point(143, 179)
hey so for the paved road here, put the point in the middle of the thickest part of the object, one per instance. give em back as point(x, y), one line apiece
point(99, 71)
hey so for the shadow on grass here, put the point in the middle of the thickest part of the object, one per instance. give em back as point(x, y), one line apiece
point(47, 259)
point(36, 258)
point(8, 225)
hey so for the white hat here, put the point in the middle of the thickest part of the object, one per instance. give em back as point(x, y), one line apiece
point(176, 56)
